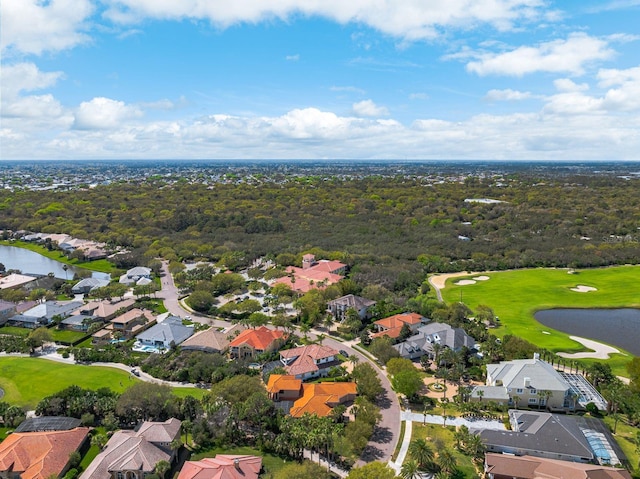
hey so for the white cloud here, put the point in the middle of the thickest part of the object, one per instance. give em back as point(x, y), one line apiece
point(507, 95)
point(565, 84)
point(25, 77)
point(314, 133)
point(622, 95)
point(292, 58)
point(418, 96)
point(558, 56)
point(407, 19)
point(369, 108)
point(104, 113)
point(626, 95)
point(35, 26)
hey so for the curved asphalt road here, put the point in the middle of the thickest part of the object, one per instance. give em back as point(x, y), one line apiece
point(386, 434)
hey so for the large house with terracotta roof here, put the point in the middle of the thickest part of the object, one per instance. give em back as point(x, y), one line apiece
point(222, 466)
point(134, 454)
point(310, 361)
point(316, 398)
point(392, 326)
point(252, 342)
point(39, 455)
point(313, 274)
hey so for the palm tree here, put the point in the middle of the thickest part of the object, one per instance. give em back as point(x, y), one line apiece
point(447, 462)
point(516, 400)
point(162, 467)
point(410, 470)
point(421, 452)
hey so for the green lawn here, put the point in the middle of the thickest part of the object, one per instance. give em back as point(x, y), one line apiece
point(66, 336)
point(516, 295)
point(26, 381)
point(15, 331)
point(434, 433)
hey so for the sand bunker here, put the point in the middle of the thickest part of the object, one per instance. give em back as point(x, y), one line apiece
point(600, 351)
point(438, 281)
point(464, 282)
point(481, 278)
point(583, 289)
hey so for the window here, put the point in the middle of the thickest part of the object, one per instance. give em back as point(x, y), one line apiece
point(533, 391)
point(519, 391)
point(533, 400)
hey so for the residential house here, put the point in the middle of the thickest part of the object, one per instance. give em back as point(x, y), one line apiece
point(430, 335)
point(312, 398)
point(253, 342)
point(15, 281)
point(134, 454)
point(211, 340)
point(43, 314)
point(307, 362)
point(531, 382)
point(40, 454)
point(105, 310)
point(555, 436)
point(95, 312)
point(7, 309)
point(87, 285)
point(126, 325)
point(313, 274)
point(338, 307)
point(392, 325)
point(284, 387)
point(164, 334)
point(504, 466)
point(222, 466)
point(134, 275)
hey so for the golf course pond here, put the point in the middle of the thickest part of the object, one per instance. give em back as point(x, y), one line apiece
point(617, 327)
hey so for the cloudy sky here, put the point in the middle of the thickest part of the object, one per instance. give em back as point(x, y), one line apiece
point(397, 79)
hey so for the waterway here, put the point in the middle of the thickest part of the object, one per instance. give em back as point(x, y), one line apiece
point(618, 327)
point(30, 262)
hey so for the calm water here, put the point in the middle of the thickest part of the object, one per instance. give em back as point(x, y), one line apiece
point(34, 263)
point(619, 327)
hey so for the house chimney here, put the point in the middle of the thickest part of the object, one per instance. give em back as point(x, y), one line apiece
point(536, 356)
point(527, 382)
point(236, 464)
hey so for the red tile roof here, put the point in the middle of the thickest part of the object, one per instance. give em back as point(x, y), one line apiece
point(260, 339)
point(39, 455)
point(283, 382)
point(392, 325)
point(320, 398)
point(222, 466)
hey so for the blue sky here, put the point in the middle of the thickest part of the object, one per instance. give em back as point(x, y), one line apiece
point(396, 79)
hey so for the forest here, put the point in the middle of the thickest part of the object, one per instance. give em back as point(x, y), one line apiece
point(538, 220)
